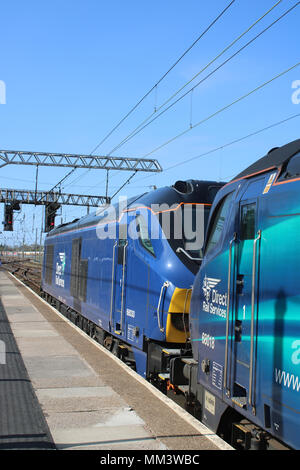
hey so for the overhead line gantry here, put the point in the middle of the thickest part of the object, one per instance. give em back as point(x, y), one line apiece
point(54, 199)
point(17, 157)
point(30, 196)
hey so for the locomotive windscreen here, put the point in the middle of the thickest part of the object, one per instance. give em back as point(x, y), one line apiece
point(185, 228)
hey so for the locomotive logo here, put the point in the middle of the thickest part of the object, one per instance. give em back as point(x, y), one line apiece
point(214, 302)
point(60, 270)
point(62, 257)
point(208, 284)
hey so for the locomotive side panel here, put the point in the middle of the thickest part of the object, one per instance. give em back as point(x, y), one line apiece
point(95, 277)
point(279, 327)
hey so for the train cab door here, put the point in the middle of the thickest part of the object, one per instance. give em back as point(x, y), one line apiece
point(119, 284)
point(244, 309)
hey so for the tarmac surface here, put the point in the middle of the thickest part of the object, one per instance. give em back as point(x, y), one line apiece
point(61, 390)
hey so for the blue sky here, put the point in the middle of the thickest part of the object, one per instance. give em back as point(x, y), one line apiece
point(74, 68)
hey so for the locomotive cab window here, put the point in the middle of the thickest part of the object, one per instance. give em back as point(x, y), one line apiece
point(217, 223)
point(247, 224)
point(292, 169)
point(143, 233)
point(194, 223)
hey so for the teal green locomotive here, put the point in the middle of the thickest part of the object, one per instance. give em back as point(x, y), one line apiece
point(243, 377)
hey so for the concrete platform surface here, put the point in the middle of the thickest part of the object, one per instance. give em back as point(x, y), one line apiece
point(88, 399)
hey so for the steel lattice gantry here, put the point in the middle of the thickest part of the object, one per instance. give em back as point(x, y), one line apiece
point(45, 198)
point(15, 157)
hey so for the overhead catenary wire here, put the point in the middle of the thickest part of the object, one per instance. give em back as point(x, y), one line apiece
point(191, 90)
point(228, 144)
point(139, 129)
point(236, 141)
point(145, 122)
point(224, 108)
point(154, 87)
point(221, 53)
point(60, 181)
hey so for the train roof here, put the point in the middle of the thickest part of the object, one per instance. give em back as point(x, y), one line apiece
point(275, 158)
point(182, 191)
point(191, 191)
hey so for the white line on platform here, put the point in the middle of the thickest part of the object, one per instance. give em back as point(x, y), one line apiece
point(200, 427)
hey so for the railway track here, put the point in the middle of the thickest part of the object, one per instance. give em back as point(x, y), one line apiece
point(28, 271)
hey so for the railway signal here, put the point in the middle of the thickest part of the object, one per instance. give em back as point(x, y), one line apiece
point(8, 218)
point(50, 213)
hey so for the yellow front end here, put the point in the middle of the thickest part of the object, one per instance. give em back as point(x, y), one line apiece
point(177, 329)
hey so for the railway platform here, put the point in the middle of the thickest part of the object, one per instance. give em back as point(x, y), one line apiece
point(61, 390)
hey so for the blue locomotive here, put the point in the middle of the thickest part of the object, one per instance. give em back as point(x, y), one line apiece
point(124, 274)
point(243, 377)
